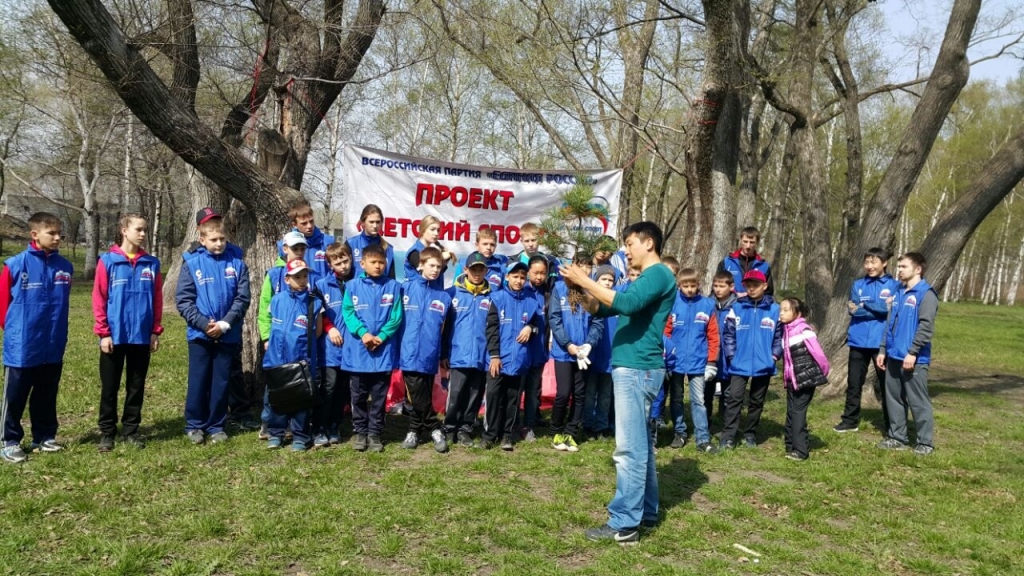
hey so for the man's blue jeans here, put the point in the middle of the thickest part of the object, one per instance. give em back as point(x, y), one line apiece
point(636, 479)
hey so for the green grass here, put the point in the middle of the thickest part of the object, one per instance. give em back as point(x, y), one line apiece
point(238, 509)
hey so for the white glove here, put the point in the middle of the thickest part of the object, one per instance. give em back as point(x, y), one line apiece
point(580, 363)
point(583, 351)
point(710, 371)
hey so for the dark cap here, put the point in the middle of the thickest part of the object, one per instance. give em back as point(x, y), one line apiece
point(606, 269)
point(514, 265)
point(205, 215)
point(475, 258)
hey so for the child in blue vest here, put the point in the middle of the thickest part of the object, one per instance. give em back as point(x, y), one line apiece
point(429, 231)
point(464, 349)
point(486, 245)
point(293, 247)
point(425, 308)
point(539, 286)
point(512, 321)
point(694, 336)
point(212, 296)
point(304, 222)
point(725, 297)
point(34, 289)
point(290, 341)
point(752, 344)
point(371, 219)
point(373, 314)
point(334, 382)
point(868, 306)
point(598, 403)
point(906, 354)
point(127, 302)
point(574, 335)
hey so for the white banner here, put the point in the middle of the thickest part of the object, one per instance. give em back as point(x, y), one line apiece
point(465, 198)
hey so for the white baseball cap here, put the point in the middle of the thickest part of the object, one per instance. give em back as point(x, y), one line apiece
point(294, 238)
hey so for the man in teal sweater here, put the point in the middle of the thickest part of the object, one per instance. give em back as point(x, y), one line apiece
point(638, 371)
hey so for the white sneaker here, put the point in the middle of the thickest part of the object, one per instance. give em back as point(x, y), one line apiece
point(412, 440)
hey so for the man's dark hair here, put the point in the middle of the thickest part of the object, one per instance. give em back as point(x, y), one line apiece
point(752, 232)
point(645, 231)
point(880, 253)
point(375, 250)
point(917, 259)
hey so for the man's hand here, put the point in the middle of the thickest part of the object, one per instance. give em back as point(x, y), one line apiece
point(573, 350)
point(334, 335)
point(495, 367)
point(852, 306)
point(106, 345)
point(154, 342)
point(524, 335)
point(908, 362)
point(880, 361)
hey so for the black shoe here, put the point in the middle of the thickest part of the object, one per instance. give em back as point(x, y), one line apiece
point(707, 448)
point(465, 439)
point(506, 443)
point(106, 443)
point(650, 523)
point(679, 441)
point(727, 445)
point(374, 443)
point(749, 442)
point(606, 532)
point(361, 443)
point(486, 444)
point(844, 427)
point(134, 439)
point(795, 456)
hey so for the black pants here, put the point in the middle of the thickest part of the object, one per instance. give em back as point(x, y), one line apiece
point(239, 400)
point(369, 396)
point(35, 386)
point(502, 395)
point(531, 396)
point(335, 394)
point(734, 405)
point(860, 360)
point(419, 394)
point(570, 391)
point(709, 399)
point(796, 420)
point(465, 393)
point(133, 361)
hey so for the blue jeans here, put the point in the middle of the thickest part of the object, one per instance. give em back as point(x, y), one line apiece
point(598, 402)
point(697, 410)
point(636, 478)
point(658, 406)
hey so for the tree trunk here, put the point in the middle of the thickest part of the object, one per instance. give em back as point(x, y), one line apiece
point(945, 242)
point(91, 224)
point(1011, 291)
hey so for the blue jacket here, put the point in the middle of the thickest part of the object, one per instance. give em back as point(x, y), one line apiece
point(371, 302)
point(316, 252)
point(424, 311)
point(495, 270)
point(360, 241)
point(867, 324)
point(333, 291)
point(289, 329)
point(464, 345)
point(538, 346)
point(905, 320)
point(36, 323)
point(753, 337)
point(509, 313)
point(213, 287)
point(671, 354)
point(690, 318)
point(568, 327)
point(732, 264)
point(601, 355)
point(130, 314)
point(722, 310)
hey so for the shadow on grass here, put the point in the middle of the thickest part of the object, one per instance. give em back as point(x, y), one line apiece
point(678, 480)
point(994, 384)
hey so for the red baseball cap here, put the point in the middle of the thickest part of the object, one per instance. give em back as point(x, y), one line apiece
point(296, 266)
point(755, 275)
point(205, 214)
